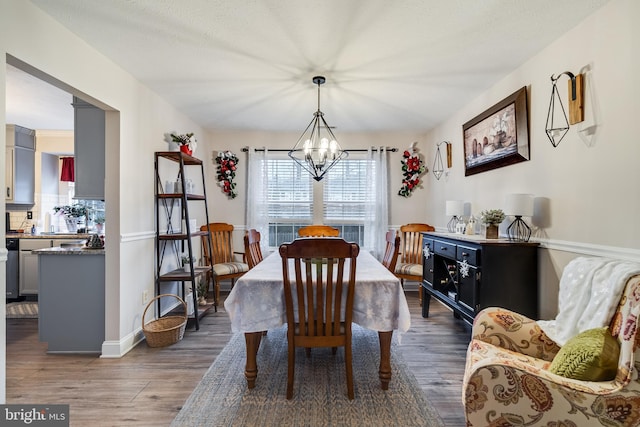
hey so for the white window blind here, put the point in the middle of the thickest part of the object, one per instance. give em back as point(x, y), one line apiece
point(290, 192)
point(345, 192)
point(343, 201)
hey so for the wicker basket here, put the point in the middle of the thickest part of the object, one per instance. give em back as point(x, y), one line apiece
point(166, 330)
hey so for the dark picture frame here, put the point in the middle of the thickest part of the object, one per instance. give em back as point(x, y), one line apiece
point(498, 136)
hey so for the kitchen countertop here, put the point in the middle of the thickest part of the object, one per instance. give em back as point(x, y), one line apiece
point(69, 251)
point(73, 236)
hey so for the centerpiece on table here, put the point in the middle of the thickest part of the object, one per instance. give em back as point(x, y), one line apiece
point(75, 217)
point(187, 142)
point(492, 219)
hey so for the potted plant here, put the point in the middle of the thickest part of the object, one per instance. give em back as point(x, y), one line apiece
point(98, 220)
point(492, 218)
point(203, 288)
point(74, 215)
point(187, 142)
point(186, 263)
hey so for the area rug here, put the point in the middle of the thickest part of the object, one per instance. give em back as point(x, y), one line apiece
point(22, 310)
point(320, 389)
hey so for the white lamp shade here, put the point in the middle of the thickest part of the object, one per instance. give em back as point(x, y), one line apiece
point(455, 208)
point(519, 204)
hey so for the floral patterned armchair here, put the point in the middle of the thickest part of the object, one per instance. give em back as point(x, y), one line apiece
point(507, 381)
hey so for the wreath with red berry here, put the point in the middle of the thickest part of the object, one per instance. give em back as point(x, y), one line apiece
point(412, 168)
point(227, 163)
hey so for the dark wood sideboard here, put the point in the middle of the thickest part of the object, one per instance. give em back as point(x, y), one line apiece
point(469, 273)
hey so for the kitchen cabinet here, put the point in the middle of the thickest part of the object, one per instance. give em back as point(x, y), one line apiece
point(89, 150)
point(28, 261)
point(29, 264)
point(20, 166)
point(71, 301)
point(469, 273)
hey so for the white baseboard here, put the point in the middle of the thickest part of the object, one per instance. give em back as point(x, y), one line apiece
point(117, 349)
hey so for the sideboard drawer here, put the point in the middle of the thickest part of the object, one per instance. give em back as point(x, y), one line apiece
point(471, 255)
point(444, 248)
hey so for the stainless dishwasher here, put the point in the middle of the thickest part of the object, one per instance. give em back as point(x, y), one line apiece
point(13, 268)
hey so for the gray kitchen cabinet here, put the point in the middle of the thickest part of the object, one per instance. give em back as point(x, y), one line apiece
point(28, 261)
point(72, 306)
point(20, 166)
point(89, 150)
point(29, 264)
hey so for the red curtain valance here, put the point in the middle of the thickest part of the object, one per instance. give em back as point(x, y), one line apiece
point(68, 170)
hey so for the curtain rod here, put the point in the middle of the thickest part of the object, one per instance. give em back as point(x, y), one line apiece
point(357, 150)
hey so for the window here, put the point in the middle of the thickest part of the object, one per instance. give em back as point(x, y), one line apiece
point(340, 199)
point(290, 200)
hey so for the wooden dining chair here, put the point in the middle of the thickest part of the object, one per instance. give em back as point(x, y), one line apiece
point(222, 258)
point(318, 230)
point(390, 258)
point(410, 265)
point(252, 250)
point(325, 322)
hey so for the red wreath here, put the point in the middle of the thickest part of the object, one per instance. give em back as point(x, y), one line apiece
point(412, 168)
point(227, 162)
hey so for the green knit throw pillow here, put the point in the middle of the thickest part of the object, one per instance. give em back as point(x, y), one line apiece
point(589, 356)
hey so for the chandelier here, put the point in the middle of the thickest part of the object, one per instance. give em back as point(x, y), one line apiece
point(317, 149)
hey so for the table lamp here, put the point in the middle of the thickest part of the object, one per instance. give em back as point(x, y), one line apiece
point(519, 205)
point(454, 209)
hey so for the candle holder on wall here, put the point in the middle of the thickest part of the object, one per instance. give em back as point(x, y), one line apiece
point(557, 124)
point(438, 166)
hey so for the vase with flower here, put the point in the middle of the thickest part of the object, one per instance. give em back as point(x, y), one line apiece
point(187, 142)
point(492, 219)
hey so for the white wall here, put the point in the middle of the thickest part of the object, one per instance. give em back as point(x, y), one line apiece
point(589, 182)
point(137, 120)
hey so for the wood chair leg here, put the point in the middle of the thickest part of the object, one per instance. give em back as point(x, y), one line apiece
point(420, 293)
point(291, 362)
point(349, 369)
point(216, 290)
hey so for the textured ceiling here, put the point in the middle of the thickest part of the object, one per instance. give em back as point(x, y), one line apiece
point(248, 64)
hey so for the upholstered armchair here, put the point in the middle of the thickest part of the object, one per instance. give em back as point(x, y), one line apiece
point(509, 380)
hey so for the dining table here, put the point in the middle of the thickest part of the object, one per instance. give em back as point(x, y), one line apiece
point(256, 304)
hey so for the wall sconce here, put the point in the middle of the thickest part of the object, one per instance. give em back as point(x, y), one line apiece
point(558, 125)
point(519, 205)
point(438, 167)
point(454, 209)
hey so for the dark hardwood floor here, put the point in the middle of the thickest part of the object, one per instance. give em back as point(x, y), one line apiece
point(147, 386)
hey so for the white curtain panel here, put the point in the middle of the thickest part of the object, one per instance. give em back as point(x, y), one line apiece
point(257, 202)
point(377, 215)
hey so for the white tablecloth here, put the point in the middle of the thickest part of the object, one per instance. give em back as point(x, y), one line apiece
point(256, 302)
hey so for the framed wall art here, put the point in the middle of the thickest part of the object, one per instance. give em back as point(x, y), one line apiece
point(499, 136)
